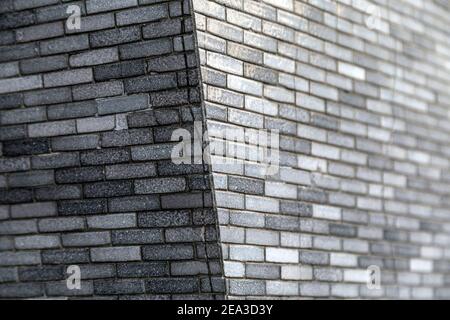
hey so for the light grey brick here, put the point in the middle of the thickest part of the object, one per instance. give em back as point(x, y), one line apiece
point(20, 84)
point(122, 104)
point(65, 78)
point(37, 242)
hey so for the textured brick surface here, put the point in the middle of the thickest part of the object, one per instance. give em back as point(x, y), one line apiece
point(85, 128)
point(362, 108)
point(357, 89)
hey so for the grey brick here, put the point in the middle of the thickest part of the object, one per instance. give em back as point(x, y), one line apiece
point(145, 49)
point(95, 22)
point(66, 44)
point(247, 287)
point(162, 28)
point(112, 221)
point(8, 275)
point(17, 164)
point(104, 156)
point(115, 254)
point(98, 90)
point(65, 256)
point(161, 185)
point(115, 36)
point(66, 78)
point(15, 52)
point(55, 160)
point(23, 115)
point(94, 57)
point(77, 175)
point(25, 147)
point(59, 289)
point(115, 287)
point(164, 219)
point(108, 189)
point(80, 142)
point(135, 203)
point(48, 96)
point(168, 252)
point(94, 6)
point(245, 185)
point(142, 269)
point(130, 171)
point(72, 110)
point(49, 129)
point(61, 224)
point(137, 237)
point(86, 239)
point(57, 12)
point(37, 242)
point(20, 258)
point(16, 19)
point(28, 4)
point(21, 290)
point(43, 64)
point(140, 15)
point(20, 84)
point(153, 152)
point(179, 285)
point(256, 271)
point(167, 63)
point(119, 70)
point(15, 195)
point(97, 271)
point(37, 209)
point(82, 207)
point(182, 201)
point(39, 32)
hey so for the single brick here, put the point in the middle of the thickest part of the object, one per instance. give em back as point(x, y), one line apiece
point(47, 96)
point(172, 286)
point(72, 110)
point(65, 256)
point(37, 209)
point(55, 160)
point(25, 147)
point(130, 171)
point(143, 14)
point(20, 84)
point(94, 6)
point(162, 29)
point(137, 237)
point(112, 221)
point(161, 185)
point(66, 44)
point(61, 224)
point(75, 143)
point(123, 104)
point(97, 90)
point(104, 156)
point(50, 129)
point(82, 207)
point(108, 189)
point(43, 64)
point(21, 290)
point(145, 49)
point(142, 269)
point(116, 254)
point(96, 124)
point(119, 70)
point(20, 258)
point(118, 287)
point(94, 57)
point(77, 175)
point(136, 203)
point(164, 219)
point(115, 36)
point(151, 83)
point(86, 239)
point(168, 252)
point(67, 78)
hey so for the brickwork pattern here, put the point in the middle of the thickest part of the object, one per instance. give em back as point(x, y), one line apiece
point(359, 91)
point(85, 172)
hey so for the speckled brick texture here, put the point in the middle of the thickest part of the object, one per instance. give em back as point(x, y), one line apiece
point(85, 172)
point(359, 90)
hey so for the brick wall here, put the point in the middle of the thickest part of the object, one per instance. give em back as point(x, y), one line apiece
point(85, 172)
point(359, 92)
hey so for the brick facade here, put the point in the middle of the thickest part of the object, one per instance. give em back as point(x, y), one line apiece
point(358, 90)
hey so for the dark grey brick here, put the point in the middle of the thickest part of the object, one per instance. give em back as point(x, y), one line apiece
point(164, 219)
point(58, 193)
point(21, 290)
point(31, 178)
point(9, 101)
point(296, 208)
point(169, 98)
point(136, 203)
point(20, 51)
point(145, 49)
point(124, 138)
point(168, 252)
point(43, 64)
point(182, 201)
point(137, 236)
point(164, 28)
point(152, 152)
point(115, 36)
point(16, 196)
point(97, 90)
point(25, 147)
point(55, 160)
point(130, 171)
point(8, 275)
point(142, 269)
point(119, 70)
point(108, 189)
point(85, 239)
point(180, 285)
point(45, 273)
point(150, 83)
point(77, 175)
point(105, 156)
point(82, 207)
point(168, 168)
point(49, 96)
point(245, 185)
point(342, 230)
point(123, 104)
point(72, 110)
point(185, 234)
point(72, 143)
point(65, 256)
point(160, 185)
point(114, 287)
point(143, 14)
point(167, 63)
point(13, 132)
point(13, 20)
point(20, 258)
